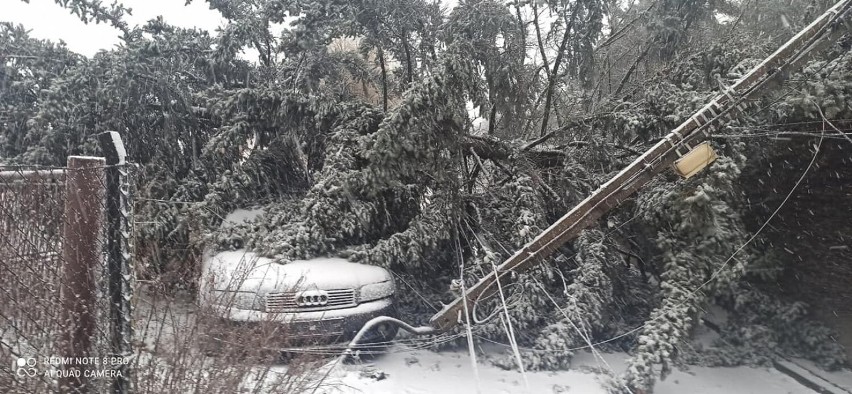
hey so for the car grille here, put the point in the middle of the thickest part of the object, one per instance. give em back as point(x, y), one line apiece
point(320, 328)
point(289, 301)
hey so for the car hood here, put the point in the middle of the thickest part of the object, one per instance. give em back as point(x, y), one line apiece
point(245, 271)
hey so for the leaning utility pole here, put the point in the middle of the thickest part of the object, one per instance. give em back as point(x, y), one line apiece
point(724, 107)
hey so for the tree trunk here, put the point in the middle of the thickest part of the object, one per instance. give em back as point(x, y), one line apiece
point(551, 80)
point(408, 62)
point(381, 54)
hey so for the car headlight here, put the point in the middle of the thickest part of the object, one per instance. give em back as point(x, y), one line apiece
point(376, 291)
point(239, 299)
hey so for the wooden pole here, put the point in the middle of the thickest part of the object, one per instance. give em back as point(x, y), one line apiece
point(725, 106)
point(81, 259)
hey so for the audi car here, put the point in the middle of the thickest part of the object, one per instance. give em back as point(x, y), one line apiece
point(324, 298)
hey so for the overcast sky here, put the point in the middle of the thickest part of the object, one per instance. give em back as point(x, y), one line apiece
point(47, 20)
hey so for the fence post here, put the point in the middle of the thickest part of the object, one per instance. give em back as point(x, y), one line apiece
point(118, 269)
point(81, 256)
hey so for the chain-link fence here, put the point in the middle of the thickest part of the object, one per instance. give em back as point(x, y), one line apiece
point(31, 237)
point(64, 277)
point(66, 281)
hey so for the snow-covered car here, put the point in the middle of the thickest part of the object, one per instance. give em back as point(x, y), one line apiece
point(324, 298)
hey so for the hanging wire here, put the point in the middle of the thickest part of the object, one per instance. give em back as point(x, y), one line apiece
point(468, 330)
point(507, 323)
point(584, 334)
point(724, 264)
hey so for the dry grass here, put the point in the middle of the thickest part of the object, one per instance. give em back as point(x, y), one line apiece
point(186, 347)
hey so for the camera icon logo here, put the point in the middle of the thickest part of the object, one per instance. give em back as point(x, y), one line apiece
point(25, 367)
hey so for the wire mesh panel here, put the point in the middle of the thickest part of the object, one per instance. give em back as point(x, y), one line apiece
point(31, 238)
point(54, 304)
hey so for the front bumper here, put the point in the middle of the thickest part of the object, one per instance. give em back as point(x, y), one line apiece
point(334, 325)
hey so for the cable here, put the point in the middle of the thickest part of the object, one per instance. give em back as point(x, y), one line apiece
point(586, 337)
point(471, 350)
point(337, 349)
point(805, 122)
point(653, 164)
point(737, 251)
point(784, 134)
point(507, 323)
point(416, 292)
point(714, 275)
point(829, 122)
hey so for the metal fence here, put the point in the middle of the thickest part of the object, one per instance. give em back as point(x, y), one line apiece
point(66, 287)
point(64, 277)
point(31, 238)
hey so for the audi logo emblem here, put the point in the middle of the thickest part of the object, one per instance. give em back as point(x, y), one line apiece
point(312, 298)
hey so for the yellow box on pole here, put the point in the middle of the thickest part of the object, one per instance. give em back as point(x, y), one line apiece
point(695, 160)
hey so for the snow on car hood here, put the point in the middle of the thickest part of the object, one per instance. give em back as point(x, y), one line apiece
point(245, 271)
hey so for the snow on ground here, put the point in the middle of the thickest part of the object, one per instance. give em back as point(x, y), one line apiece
point(408, 370)
point(834, 382)
point(411, 371)
point(242, 215)
point(424, 371)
